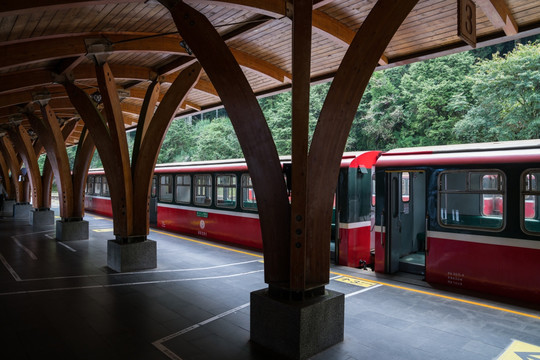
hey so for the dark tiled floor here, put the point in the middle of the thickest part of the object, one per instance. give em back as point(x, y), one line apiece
point(61, 301)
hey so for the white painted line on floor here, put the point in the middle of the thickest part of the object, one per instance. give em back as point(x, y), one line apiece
point(159, 343)
point(363, 290)
point(66, 246)
point(27, 250)
point(129, 284)
point(141, 272)
point(9, 268)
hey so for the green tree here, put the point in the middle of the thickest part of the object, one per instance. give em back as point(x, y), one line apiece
point(506, 90)
point(217, 140)
point(179, 142)
point(435, 95)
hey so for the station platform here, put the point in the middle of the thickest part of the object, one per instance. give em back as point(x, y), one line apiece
point(59, 300)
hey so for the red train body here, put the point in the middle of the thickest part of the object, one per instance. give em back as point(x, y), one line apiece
point(466, 216)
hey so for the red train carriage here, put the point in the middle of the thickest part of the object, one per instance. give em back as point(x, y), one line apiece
point(216, 200)
point(463, 215)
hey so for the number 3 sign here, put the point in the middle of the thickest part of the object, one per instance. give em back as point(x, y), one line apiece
point(467, 21)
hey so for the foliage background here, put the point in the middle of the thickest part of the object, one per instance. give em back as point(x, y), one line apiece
point(490, 94)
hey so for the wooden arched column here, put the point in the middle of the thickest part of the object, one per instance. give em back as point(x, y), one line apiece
point(326, 148)
point(23, 145)
point(4, 171)
point(51, 138)
point(252, 131)
point(335, 122)
point(83, 158)
point(129, 185)
point(8, 152)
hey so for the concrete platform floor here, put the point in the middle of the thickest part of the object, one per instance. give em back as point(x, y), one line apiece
point(59, 300)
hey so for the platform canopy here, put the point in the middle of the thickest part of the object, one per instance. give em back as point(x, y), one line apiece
point(43, 39)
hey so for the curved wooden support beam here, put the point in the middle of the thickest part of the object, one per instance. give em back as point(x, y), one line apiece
point(23, 145)
point(151, 144)
point(48, 174)
point(46, 183)
point(119, 177)
point(110, 158)
point(146, 112)
point(335, 121)
point(9, 155)
point(273, 8)
point(4, 171)
point(83, 158)
point(53, 141)
point(252, 132)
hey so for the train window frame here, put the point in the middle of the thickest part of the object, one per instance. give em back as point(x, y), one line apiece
point(90, 185)
point(96, 182)
point(183, 185)
point(526, 190)
point(207, 193)
point(470, 188)
point(234, 187)
point(245, 185)
point(163, 196)
point(105, 191)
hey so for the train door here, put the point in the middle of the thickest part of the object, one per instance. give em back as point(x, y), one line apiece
point(153, 202)
point(406, 222)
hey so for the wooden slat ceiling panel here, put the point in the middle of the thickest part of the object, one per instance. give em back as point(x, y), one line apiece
point(429, 29)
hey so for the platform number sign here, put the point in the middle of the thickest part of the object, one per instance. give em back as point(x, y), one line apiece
point(467, 21)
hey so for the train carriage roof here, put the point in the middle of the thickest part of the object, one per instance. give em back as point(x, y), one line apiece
point(524, 151)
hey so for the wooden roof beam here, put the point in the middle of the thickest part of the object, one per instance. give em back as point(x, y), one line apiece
point(39, 49)
point(8, 8)
point(328, 25)
point(499, 15)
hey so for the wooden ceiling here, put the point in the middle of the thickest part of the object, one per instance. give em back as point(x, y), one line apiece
point(40, 39)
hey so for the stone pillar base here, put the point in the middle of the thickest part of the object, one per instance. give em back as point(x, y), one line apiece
point(7, 209)
point(71, 230)
point(131, 256)
point(21, 211)
point(297, 329)
point(42, 217)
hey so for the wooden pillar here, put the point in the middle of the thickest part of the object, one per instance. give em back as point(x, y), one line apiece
point(4, 171)
point(21, 140)
point(83, 158)
point(8, 152)
point(252, 131)
point(52, 139)
point(302, 11)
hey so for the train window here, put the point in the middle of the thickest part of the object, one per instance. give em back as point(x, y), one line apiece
point(373, 192)
point(97, 185)
point(104, 186)
point(472, 199)
point(530, 197)
point(203, 190)
point(153, 190)
point(90, 185)
point(226, 191)
point(165, 188)
point(249, 201)
point(183, 189)
point(405, 187)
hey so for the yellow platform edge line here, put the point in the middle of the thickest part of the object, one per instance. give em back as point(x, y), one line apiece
point(443, 296)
